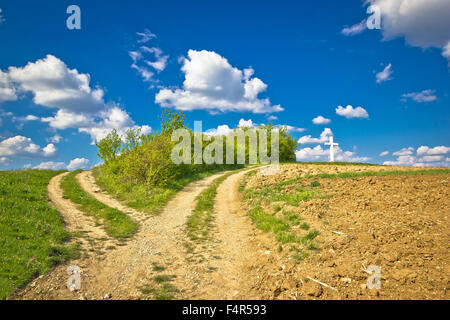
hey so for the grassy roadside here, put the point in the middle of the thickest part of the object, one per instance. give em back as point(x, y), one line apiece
point(116, 223)
point(32, 233)
point(143, 198)
point(288, 228)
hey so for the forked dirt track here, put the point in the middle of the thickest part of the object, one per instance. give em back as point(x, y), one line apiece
point(224, 267)
point(118, 270)
point(74, 219)
point(87, 181)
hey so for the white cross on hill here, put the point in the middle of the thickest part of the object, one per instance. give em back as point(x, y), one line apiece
point(332, 145)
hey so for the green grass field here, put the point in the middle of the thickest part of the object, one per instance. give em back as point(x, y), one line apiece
point(32, 233)
point(116, 223)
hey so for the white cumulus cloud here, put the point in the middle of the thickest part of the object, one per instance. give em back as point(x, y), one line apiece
point(54, 85)
point(324, 137)
point(78, 105)
point(246, 123)
point(212, 84)
point(349, 112)
point(425, 150)
point(78, 163)
point(424, 156)
point(321, 120)
point(23, 147)
point(423, 23)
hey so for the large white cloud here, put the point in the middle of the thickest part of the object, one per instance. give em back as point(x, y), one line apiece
point(54, 85)
point(324, 137)
point(349, 112)
point(439, 150)
point(424, 156)
point(212, 84)
point(23, 147)
point(65, 119)
point(423, 23)
point(78, 105)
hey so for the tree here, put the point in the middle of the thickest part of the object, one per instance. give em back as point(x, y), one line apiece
point(288, 145)
point(109, 147)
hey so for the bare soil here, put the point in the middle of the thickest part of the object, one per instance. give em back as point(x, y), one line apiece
point(400, 223)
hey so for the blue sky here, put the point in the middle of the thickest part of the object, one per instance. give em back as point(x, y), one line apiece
point(284, 61)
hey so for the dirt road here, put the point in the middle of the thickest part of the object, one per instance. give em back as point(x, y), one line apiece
point(119, 270)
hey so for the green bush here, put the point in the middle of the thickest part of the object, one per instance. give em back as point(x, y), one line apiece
point(145, 159)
